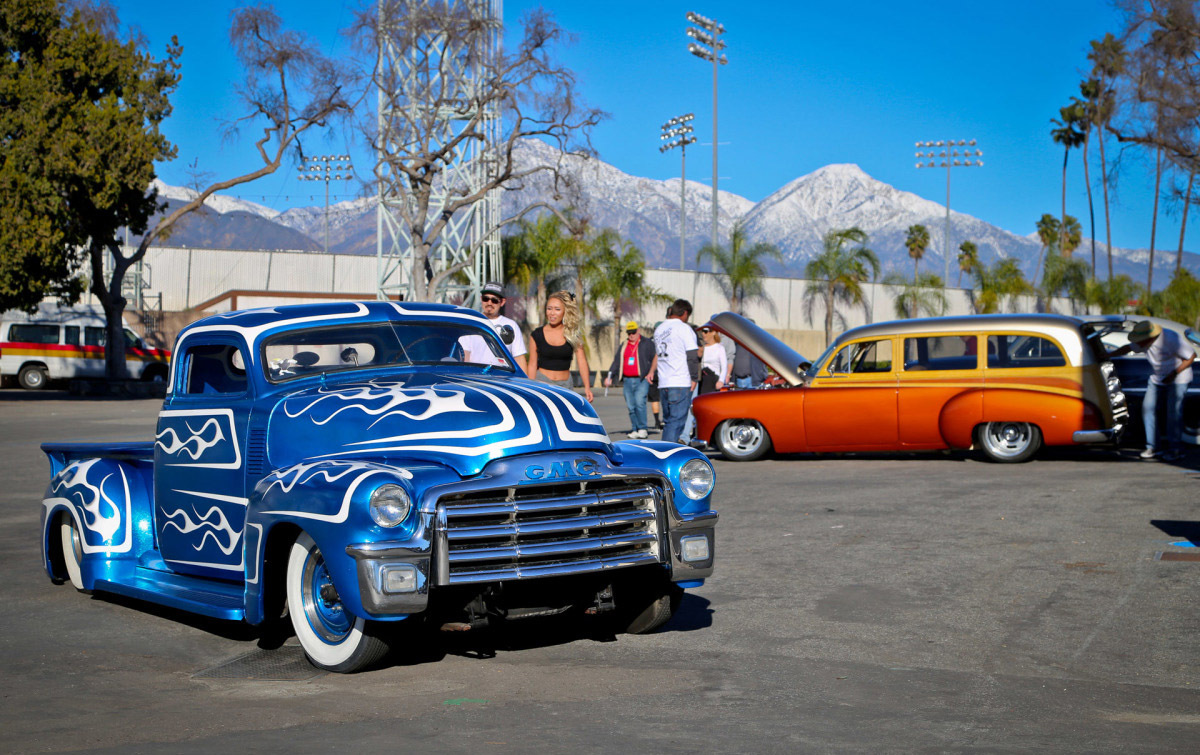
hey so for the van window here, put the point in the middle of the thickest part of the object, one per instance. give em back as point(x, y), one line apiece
point(28, 332)
point(941, 352)
point(864, 357)
point(71, 334)
point(94, 336)
point(213, 368)
point(1024, 351)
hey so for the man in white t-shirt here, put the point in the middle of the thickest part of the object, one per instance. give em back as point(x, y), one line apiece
point(1170, 359)
point(678, 367)
point(493, 299)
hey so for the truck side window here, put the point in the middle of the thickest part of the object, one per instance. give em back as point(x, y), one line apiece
point(1009, 351)
point(864, 357)
point(94, 337)
point(941, 352)
point(28, 332)
point(213, 368)
point(71, 335)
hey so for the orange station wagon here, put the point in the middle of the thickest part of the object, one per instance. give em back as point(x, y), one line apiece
point(1002, 384)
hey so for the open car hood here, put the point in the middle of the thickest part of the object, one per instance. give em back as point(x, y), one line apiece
point(774, 353)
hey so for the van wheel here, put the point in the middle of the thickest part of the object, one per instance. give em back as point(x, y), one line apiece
point(742, 439)
point(32, 377)
point(72, 549)
point(333, 638)
point(1008, 442)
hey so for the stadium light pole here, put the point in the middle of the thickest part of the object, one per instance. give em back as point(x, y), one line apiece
point(677, 133)
point(950, 158)
point(708, 46)
point(326, 168)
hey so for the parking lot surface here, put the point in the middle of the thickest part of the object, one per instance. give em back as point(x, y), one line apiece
point(884, 602)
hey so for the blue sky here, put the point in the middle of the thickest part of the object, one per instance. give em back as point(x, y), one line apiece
point(808, 84)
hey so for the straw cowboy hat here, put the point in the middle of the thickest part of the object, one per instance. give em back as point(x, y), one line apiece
point(1144, 331)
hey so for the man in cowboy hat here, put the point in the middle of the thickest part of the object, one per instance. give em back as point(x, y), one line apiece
point(1170, 359)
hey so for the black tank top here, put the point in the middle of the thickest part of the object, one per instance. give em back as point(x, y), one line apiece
point(556, 358)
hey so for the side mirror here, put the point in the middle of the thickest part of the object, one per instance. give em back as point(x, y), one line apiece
point(506, 334)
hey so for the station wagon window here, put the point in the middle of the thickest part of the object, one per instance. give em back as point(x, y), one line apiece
point(941, 352)
point(215, 368)
point(324, 350)
point(864, 357)
point(28, 332)
point(1017, 351)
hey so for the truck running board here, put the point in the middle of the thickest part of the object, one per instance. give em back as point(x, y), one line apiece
point(203, 596)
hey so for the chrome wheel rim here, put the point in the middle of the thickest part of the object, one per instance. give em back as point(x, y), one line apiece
point(742, 437)
point(1007, 439)
point(322, 606)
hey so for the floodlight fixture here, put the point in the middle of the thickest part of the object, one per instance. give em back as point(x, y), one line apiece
point(948, 157)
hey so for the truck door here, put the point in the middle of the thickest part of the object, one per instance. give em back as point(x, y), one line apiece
point(852, 401)
point(199, 459)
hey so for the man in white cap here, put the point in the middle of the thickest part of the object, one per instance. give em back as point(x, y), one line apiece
point(1170, 359)
point(492, 299)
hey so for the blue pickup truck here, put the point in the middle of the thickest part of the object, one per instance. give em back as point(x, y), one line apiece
point(360, 467)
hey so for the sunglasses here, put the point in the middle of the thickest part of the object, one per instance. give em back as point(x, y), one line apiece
point(492, 299)
point(705, 330)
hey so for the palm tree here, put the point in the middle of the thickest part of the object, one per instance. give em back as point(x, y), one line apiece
point(910, 298)
point(838, 273)
point(1158, 171)
point(1187, 203)
point(1064, 275)
point(548, 247)
point(1068, 135)
point(917, 241)
point(520, 266)
point(620, 277)
point(968, 258)
point(1070, 235)
point(1047, 231)
point(1090, 89)
point(1004, 279)
point(1113, 295)
point(740, 267)
point(1108, 64)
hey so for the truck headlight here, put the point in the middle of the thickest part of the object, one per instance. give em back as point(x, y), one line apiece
point(696, 479)
point(390, 505)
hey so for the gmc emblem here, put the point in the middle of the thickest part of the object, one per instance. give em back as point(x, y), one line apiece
point(561, 469)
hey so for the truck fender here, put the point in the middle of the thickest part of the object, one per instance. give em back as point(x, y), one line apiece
point(328, 499)
point(110, 503)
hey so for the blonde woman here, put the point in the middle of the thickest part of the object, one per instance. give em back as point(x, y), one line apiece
point(552, 345)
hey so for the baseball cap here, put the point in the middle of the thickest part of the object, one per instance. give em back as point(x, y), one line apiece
point(631, 325)
point(492, 287)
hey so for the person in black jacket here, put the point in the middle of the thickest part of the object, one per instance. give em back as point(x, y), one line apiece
point(634, 361)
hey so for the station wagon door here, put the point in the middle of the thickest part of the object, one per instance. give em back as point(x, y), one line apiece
point(852, 401)
point(941, 390)
point(199, 459)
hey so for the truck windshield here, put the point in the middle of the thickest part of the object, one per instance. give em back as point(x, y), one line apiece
point(300, 353)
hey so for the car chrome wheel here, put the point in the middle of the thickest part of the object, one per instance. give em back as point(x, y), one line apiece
point(742, 439)
point(332, 637)
point(1009, 441)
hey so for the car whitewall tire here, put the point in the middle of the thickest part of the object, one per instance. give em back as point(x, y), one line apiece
point(333, 638)
point(72, 549)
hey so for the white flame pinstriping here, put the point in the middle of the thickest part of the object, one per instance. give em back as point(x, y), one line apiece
point(176, 445)
point(396, 396)
point(208, 525)
point(91, 502)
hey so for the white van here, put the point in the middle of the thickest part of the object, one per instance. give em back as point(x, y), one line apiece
point(67, 342)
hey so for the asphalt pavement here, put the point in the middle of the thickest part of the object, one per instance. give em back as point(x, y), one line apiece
point(883, 602)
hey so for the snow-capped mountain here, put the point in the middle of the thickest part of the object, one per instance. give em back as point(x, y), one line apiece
point(646, 212)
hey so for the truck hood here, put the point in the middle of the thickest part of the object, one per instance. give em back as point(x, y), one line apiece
point(775, 353)
point(461, 421)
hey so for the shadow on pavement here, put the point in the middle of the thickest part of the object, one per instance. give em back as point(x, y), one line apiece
point(1176, 528)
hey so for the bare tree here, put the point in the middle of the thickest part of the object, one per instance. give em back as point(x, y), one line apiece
point(432, 113)
point(290, 87)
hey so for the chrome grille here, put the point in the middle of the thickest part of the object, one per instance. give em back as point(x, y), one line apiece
point(547, 530)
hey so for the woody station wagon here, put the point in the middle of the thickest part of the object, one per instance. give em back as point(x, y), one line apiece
point(1002, 384)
